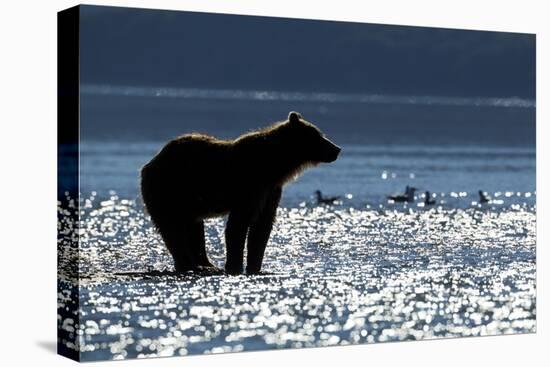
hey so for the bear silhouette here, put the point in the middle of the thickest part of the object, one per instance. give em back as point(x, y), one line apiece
point(196, 176)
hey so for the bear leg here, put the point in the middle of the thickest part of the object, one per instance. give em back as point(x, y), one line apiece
point(198, 244)
point(259, 232)
point(177, 238)
point(235, 236)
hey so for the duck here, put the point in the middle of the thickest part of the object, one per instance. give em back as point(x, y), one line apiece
point(325, 200)
point(407, 197)
point(483, 198)
point(428, 199)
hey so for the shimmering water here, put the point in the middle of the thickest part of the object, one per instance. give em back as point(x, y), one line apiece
point(364, 270)
point(336, 275)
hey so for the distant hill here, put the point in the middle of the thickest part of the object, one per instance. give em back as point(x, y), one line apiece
point(166, 48)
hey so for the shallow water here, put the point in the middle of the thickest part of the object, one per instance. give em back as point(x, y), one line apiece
point(362, 271)
point(336, 275)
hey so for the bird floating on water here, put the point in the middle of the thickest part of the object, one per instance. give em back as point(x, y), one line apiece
point(325, 200)
point(407, 197)
point(483, 198)
point(428, 199)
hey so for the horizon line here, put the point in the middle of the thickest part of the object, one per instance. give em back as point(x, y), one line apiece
point(326, 97)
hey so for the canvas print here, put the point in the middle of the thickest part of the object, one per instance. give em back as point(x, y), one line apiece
point(235, 183)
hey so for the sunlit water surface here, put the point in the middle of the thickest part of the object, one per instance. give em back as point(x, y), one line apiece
point(361, 271)
point(336, 275)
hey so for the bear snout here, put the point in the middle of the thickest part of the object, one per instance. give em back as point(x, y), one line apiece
point(335, 152)
point(330, 151)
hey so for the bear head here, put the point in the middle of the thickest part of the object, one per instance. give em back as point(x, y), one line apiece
point(309, 142)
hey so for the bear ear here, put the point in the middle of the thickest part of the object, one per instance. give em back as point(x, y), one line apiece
point(294, 116)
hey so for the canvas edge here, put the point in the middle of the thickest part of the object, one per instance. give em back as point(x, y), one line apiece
point(68, 52)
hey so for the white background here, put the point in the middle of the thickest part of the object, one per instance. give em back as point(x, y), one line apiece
point(28, 181)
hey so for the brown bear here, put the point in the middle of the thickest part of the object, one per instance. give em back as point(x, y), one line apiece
point(197, 176)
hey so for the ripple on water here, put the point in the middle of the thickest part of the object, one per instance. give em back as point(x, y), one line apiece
point(335, 276)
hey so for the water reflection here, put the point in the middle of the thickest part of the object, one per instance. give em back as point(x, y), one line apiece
point(337, 275)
